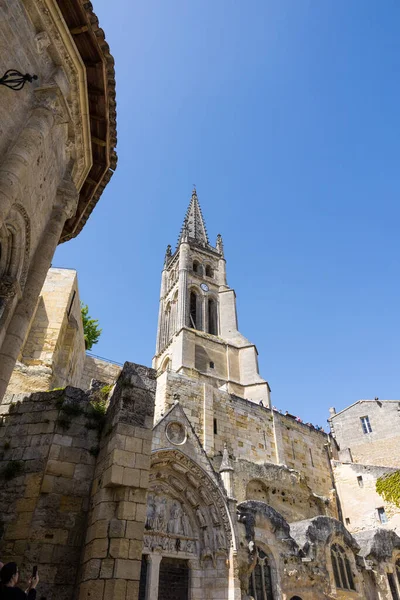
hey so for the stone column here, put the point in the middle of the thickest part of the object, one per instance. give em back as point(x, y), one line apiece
point(159, 343)
point(64, 208)
point(153, 575)
point(49, 108)
point(184, 254)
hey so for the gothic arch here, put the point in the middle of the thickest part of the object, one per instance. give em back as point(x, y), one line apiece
point(195, 316)
point(212, 314)
point(187, 514)
point(14, 256)
point(263, 574)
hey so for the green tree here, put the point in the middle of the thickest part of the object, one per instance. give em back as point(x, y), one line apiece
point(91, 329)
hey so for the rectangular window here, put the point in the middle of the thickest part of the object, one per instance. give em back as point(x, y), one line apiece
point(366, 425)
point(382, 515)
point(360, 481)
point(215, 427)
point(312, 462)
point(212, 365)
point(347, 521)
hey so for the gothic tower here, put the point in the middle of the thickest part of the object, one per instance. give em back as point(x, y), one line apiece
point(197, 325)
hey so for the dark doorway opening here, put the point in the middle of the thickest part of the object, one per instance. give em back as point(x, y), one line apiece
point(174, 580)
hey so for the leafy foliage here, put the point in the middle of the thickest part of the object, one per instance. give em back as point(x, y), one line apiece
point(388, 486)
point(91, 329)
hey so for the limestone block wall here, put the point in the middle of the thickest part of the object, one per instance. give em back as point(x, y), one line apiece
point(114, 540)
point(379, 447)
point(356, 486)
point(73, 486)
point(102, 370)
point(46, 469)
point(53, 353)
point(252, 432)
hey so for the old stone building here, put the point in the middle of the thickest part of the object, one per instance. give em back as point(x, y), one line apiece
point(225, 498)
point(57, 145)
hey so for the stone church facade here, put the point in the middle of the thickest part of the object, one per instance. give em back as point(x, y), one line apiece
point(195, 487)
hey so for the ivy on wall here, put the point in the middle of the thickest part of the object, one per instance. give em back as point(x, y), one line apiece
point(388, 486)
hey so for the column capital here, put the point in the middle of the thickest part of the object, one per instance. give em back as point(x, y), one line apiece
point(67, 197)
point(50, 98)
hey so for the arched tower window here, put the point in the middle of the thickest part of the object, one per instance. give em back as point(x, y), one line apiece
point(212, 317)
point(260, 583)
point(196, 266)
point(209, 271)
point(341, 568)
point(194, 311)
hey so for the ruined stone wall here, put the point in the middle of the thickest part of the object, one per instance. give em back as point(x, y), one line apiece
point(379, 447)
point(53, 353)
point(356, 486)
point(252, 432)
point(73, 486)
point(101, 370)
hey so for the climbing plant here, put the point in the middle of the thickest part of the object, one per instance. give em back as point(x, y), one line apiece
point(91, 328)
point(388, 486)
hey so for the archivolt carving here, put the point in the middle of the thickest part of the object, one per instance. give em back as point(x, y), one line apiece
point(185, 511)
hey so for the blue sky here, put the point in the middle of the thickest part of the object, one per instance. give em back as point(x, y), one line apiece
point(286, 117)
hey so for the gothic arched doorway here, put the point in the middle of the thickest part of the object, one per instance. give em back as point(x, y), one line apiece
point(187, 528)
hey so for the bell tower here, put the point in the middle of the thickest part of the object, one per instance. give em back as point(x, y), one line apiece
point(197, 331)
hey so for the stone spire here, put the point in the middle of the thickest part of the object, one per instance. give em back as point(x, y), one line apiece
point(194, 223)
point(226, 472)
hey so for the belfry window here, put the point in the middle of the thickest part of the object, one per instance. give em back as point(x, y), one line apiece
point(194, 318)
point(341, 568)
point(260, 584)
point(212, 317)
point(209, 271)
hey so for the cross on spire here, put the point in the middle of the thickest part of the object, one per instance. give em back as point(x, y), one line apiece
point(193, 224)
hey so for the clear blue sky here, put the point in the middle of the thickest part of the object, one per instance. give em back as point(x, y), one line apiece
point(285, 114)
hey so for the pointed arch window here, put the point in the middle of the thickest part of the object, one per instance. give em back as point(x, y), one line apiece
point(194, 311)
point(209, 271)
point(341, 568)
point(212, 317)
point(260, 583)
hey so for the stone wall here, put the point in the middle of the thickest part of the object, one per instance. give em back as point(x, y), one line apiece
point(45, 156)
point(252, 432)
point(356, 486)
point(381, 446)
point(99, 369)
point(53, 352)
point(73, 481)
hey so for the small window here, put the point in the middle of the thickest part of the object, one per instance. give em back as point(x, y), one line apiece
point(209, 271)
point(212, 365)
point(347, 521)
point(382, 515)
point(366, 425)
point(311, 458)
point(195, 266)
point(360, 481)
point(215, 427)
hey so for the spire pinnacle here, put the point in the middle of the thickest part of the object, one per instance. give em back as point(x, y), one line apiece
point(193, 224)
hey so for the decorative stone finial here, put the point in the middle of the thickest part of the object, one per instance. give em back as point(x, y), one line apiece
point(168, 254)
point(220, 245)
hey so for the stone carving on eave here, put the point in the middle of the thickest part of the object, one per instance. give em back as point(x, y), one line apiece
point(186, 512)
point(75, 72)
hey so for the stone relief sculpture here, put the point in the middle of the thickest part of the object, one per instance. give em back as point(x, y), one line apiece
point(219, 539)
point(187, 529)
point(201, 518)
point(176, 433)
